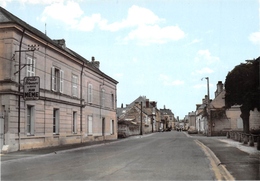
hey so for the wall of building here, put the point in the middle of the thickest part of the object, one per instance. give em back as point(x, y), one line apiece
point(254, 120)
point(65, 102)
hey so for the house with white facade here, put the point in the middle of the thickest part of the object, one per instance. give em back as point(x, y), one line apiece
point(49, 94)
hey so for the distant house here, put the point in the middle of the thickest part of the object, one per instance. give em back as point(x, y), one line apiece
point(201, 117)
point(223, 120)
point(167, 118)
point(49, 94)
point(220, 122)
point(191, 119)
point(129, 117)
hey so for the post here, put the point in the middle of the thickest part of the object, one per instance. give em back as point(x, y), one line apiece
point(141, 128)
point(208, 108)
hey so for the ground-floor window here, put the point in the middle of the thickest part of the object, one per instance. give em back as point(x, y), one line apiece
point(112, 127)
point(74, 122)
point(90, 119)
point(55, 121)
point(30, 120)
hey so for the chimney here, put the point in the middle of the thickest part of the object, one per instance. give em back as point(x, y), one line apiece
point(147, 103)
point(122, 106)
point(60, 42)
point(95, 63)
point(164, 107)
point(154, 104)
point(219, 87)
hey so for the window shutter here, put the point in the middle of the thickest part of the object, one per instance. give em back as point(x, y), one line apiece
point(90, 125)
point(52, 78)
point(32, 120)
point(61, 80)
point(75, 123)
point(28, 67)
point(57, 121)
point(90, 93)
point(33, 67)
point(74, 86)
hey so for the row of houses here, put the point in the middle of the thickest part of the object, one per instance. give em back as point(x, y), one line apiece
point(215, 120)
point(142, 116)
point(49, 94)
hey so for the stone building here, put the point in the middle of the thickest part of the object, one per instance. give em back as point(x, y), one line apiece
point(49, 94)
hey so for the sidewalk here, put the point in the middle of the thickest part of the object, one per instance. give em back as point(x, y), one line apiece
point(242, 161)
point(25, 154)
point(39, 152)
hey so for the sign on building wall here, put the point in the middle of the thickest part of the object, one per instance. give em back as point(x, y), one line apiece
point(31, 88)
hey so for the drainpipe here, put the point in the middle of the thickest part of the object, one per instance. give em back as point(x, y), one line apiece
point(81, 107)
point(19, 92)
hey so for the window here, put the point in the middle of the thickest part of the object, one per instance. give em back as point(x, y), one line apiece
point(57, 76)
point(55, 121)
point(74, 122)
point(30, 66)
point(30, 120)
point(90, 93)
point(102, 97)
point(74, 85)
point(90, 118)
point(112, 127)
point(112, 101)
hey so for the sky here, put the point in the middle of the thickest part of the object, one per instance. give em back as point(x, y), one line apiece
point(160, 49)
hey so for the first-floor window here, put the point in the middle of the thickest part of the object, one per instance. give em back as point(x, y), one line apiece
point(30, 66)
point(112, 101)
point(74, 122)
point(90, 125)
point(55, 121)
point(112, 127)
point(74, 85)
point(90, 93)
point(30, 120)
point(57, 76)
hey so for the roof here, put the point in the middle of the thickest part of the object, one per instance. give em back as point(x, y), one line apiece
point(6, 18)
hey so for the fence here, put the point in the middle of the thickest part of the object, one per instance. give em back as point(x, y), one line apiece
point(245, 138)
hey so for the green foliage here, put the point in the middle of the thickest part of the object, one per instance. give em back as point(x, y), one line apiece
point(242, 85)
point(242, 88)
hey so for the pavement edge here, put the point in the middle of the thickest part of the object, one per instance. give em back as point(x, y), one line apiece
point(220, 170)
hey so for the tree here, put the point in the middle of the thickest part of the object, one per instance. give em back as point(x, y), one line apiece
point(242, 88)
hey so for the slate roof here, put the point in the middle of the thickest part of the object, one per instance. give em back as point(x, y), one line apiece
point(8, 18)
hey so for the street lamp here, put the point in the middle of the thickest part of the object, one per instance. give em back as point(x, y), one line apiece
point(208, 108)
point(141, 128)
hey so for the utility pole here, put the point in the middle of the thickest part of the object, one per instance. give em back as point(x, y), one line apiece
point(31, 48)
point(208, 108)
point(141, 128)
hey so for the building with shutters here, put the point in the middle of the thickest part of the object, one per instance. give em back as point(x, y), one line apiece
point(76, 101)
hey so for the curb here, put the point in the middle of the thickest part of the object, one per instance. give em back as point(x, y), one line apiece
point(220, 170)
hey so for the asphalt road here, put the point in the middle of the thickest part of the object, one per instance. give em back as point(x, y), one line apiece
point(159, 156)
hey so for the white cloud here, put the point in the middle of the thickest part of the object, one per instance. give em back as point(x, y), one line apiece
point(137, 16)
point(4, 3)
point(199, 86)
point(204, 70)
point(204, 56)
point(146, 35)
point(167, 81)
point(67, 13)
point(118, 75)
point(194, 41)
point(88, 23)
point(142, 22)
point(202, 85)
point(255, 38)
